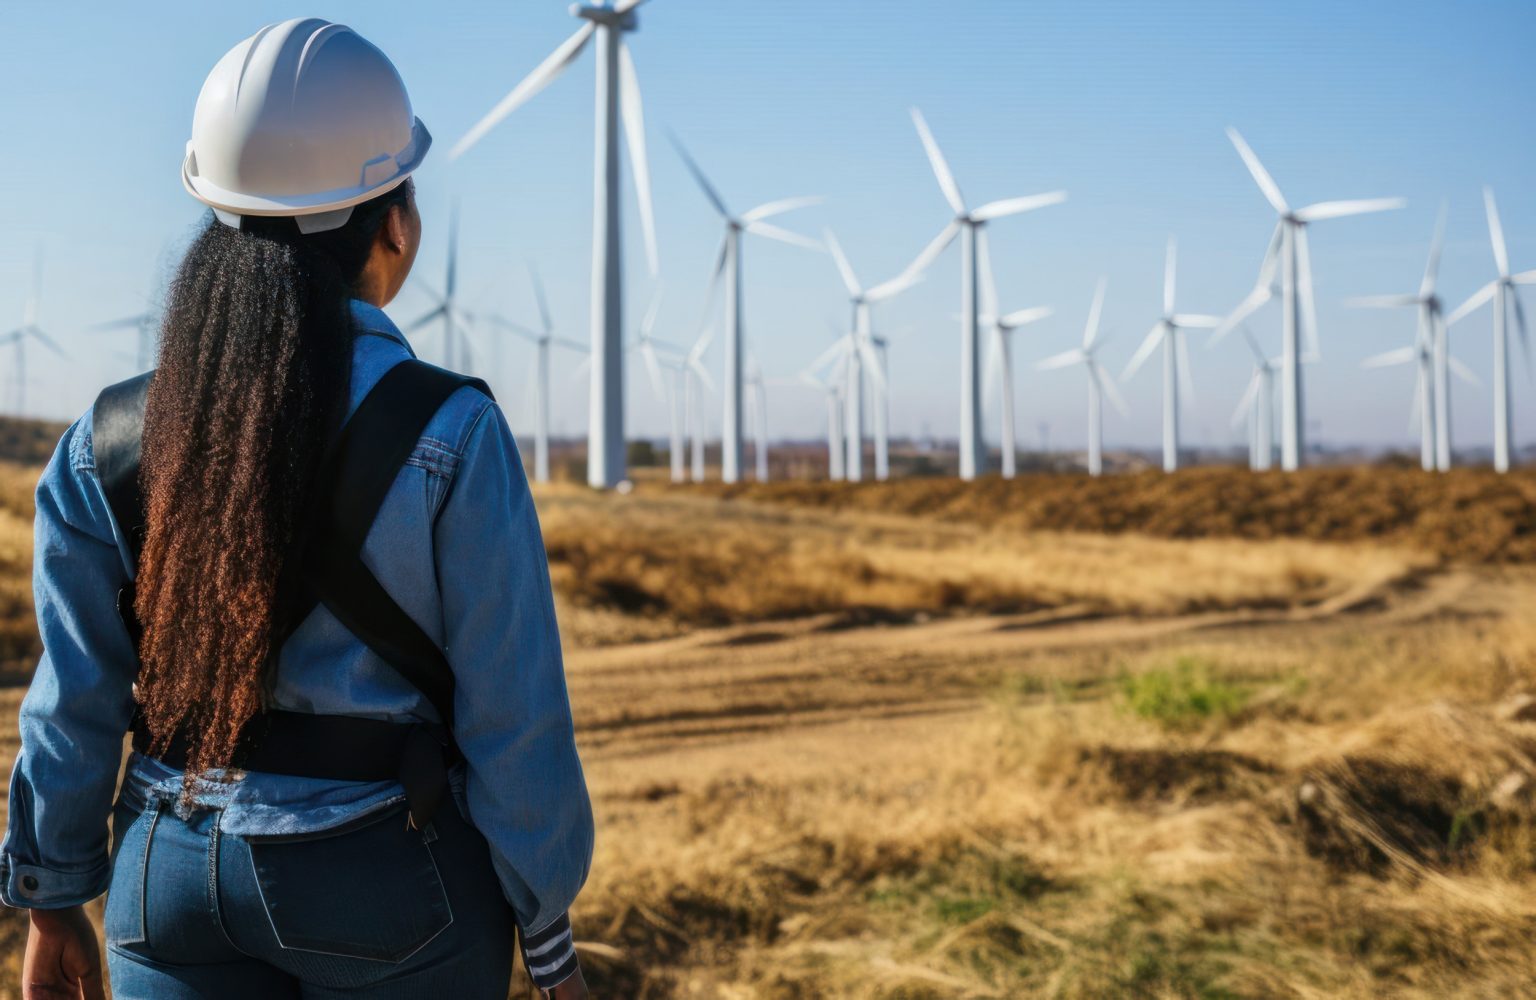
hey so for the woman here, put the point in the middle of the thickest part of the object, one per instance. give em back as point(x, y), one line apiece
point(280, 830)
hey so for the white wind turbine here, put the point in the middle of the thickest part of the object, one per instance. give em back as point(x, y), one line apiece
point(1000, 356)
point(667, 369)
point(756, 401)
point(1288, 246)
point(865, 344)
point(728, 267)
point(1099, 382)
point(29, 330)
point(1504, 295)
point(1430, 350)
point(1168, 332)
point(970, 223)
point(456, 350)
point(832, 388)
point(1258, 407)
point(696, 382)
point(544, 338)
point(618, 95)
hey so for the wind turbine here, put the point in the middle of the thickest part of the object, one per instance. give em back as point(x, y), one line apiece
point(969, 223)
point(1430, 350)
point(1168, 332)
point(728, 266)
point(456, 351)
point(1503, 293)
point(29, 330)
point(696, 383)
point(1000, 358)
point(1098, 381)
point(1288, 246)
point(1258, 407)
point(543, 339)
point(1428, 393)
point(143, 325)
point(618, 95)
point(661, 357)
point(865, 343)
point(757, 416)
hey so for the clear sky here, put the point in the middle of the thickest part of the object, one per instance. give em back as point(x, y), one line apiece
point(1120, 102)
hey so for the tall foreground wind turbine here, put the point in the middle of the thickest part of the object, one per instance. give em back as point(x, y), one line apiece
point(1288, 246)
point(1000, 356)
point(728, 267)
point(543, 339)
point(456, 353)
point(1169, 333)
point(967, 223)
point(1099, 382)
point(1502, 291)
point(618, 95)
point(29, 330)
point(1431, 352)
point(864, 352)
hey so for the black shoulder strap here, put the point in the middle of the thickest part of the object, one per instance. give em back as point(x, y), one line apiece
point(117, 428)
point(373, 445)
point(355, 477)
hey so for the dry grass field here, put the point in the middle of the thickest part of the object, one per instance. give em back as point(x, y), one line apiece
point(903, 742)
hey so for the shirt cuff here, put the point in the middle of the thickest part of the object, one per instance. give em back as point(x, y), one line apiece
point(35, 887)
point(550, 953)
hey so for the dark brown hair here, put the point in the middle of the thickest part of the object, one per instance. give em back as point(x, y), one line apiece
point(254, 366)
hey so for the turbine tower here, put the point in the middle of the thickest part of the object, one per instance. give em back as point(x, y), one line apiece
point(1430, 350)
point(1169, 333)
point(1098, 381)
point(696, 383)
point(1000, 353)
point(1258, 407)
point(863, 337)
point(1504, 295)
point(456, 351)
point(29, 330)
point(968, 222)
point(543, 339)
point(832, 388)
point(618, 95)
point(1288, 245)
point(728, 266)
point(757, 416)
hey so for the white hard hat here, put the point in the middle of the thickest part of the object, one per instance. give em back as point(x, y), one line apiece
point(306, 119)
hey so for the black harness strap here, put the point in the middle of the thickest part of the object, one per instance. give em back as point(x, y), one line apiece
point(355, 477)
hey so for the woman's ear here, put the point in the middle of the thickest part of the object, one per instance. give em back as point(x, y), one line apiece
point(395, 233)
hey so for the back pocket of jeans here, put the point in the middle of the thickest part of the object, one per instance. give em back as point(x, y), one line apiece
point(370, 890)
point(133, 830)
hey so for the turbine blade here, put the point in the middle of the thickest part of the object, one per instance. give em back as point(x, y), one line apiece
point(1253, 345)
point(1170, 267)
point(1186, 372)
point(991, 372)
point(931, 252)
point(1432, 268)
point(1477, 301)
point(988, 277)
point(901, 283)
point(452, 281)
point(1496, 232)
point(698, 176)
point(1111, 390)
point(1382, 301)
point(126, 323)
point(581, 369)
point(545, 323)
point(1400, 356)
point(839, 348)
point(625, 6)
point(1246, 402)
point(1196, 321)
point(516, 329)
point(1062, 360)
point(633, 112)
point(1308, 300)
point(1015, 206)
point(1339, 209)
point(1250, 304)
point(1091, 330)
point(567, 342)
point(1524, 334)
point(850, 280)
point(436, 313)
point(1463, 372)
point(1261, 176)
point(653, 369)
point(648, 323)
point(940, 167)
point(1155, 337)
point(1024, 317)
point(541, 77)
point(872, 365)
point(1417, 406)
point(47, 341)
point(772, 208)
point(773, 232)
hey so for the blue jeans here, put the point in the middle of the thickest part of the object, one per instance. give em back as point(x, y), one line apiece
point(372, 909)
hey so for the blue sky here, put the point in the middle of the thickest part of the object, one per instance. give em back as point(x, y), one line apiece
point(1121, 103)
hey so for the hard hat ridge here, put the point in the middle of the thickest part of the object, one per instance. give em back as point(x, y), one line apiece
point(306, 119)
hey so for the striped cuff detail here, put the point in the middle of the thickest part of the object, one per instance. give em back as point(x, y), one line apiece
point(550, 954)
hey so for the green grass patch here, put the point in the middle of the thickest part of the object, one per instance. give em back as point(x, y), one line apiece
point(1186, 695)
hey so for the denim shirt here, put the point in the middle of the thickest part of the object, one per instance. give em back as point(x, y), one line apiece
point(457, 545)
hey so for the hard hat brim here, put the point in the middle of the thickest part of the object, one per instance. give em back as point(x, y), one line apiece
point(240, 203)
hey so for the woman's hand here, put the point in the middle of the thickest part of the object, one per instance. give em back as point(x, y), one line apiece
point(573, 988)
point(62, 959)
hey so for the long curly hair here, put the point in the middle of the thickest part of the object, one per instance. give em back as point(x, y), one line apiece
point(254, 367)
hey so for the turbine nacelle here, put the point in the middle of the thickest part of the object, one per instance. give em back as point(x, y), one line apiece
point(607, 17)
